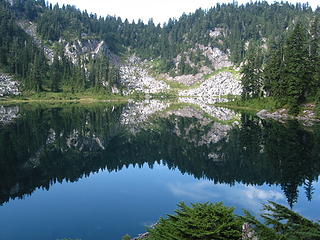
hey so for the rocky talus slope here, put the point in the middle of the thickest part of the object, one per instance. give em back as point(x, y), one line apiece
point(223, 83)
point(137, 79)
point(8, 86)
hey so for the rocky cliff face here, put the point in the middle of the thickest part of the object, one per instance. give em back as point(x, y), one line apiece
point(86, 48)
point(8, 86)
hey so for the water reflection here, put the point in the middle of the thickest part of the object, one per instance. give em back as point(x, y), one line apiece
point(41, 145)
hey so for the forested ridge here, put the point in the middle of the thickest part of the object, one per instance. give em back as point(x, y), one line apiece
point(254, 34)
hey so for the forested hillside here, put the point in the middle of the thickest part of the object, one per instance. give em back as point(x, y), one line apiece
point(236, 30)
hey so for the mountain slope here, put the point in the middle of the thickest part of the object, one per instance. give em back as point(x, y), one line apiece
point(87, 52)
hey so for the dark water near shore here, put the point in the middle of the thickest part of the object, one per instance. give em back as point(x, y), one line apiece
point(102, 171)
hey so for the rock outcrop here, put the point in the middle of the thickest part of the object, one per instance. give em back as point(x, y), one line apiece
point(137, 79)
point(217, 58)
point(8, 86)
point(86, 48)
point(31, 29)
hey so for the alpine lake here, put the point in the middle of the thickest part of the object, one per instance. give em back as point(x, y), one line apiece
point(100, 171)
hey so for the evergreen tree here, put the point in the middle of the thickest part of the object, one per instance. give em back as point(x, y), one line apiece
point(252, 73)
point(297, 72)
point(315, 54)
point(55, 74)
point(273, 73)
point(36, 75)
point(199, 222)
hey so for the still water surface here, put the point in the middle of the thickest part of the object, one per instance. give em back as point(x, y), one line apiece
point(102, 171)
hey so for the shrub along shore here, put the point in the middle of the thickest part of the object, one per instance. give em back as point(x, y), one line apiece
point(209, 221)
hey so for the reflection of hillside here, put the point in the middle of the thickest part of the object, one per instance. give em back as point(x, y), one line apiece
point(221, 114)
point(8, 114)
point(137, 113)
point(68, 143)
point(210, 131)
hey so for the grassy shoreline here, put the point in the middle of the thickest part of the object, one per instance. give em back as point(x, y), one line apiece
point(63, 97)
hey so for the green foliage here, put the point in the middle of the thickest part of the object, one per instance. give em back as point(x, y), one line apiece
point(282, 223)
point(224, 69)
point(162, 66)
point(126, 237)
point(297, 72)
point(291, 72)
point(200, 221)
point(317, 108)
point(215, 221)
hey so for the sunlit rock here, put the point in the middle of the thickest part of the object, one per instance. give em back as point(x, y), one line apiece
point(137, 79)
point(8, 86)
point(223, 83)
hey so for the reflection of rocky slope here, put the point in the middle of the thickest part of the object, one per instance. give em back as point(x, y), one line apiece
point(139, 112)
point(8, 114)
point(220, 114)
point(211, 132)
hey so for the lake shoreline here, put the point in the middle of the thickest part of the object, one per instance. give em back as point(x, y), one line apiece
point(269, 111)
point(81, 100)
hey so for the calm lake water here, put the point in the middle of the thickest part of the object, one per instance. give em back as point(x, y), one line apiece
point(99, 172)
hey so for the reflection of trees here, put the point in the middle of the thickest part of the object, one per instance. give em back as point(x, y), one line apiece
point(86, 140)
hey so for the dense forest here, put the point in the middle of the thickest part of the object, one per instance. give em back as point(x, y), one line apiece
point(277, 46)
point(288, 70)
